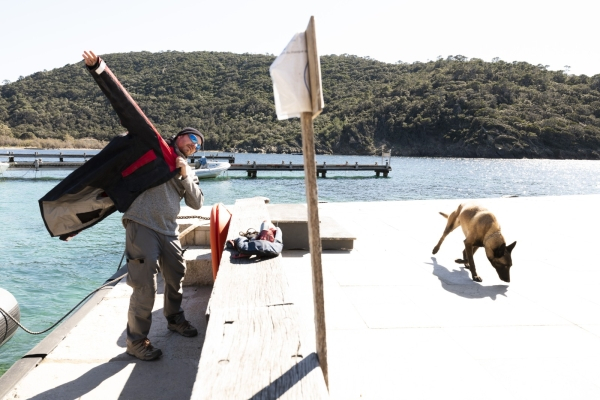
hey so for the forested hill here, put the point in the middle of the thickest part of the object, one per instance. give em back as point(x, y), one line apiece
point(449, 107)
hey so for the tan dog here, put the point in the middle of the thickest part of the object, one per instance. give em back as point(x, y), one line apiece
point(481, 229)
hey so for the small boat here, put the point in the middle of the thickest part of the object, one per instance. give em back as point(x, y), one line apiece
point(3, 166)
point(210, 169)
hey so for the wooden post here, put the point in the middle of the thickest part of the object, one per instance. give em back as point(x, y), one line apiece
point(314, 239)
point(312, 197)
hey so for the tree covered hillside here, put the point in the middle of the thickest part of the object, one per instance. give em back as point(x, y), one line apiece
point(449, 107)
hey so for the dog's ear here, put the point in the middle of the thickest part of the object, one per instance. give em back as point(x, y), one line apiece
point(500, 250)
point(511, 246)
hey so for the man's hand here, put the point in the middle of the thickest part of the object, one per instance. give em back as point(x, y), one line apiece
point(182, 165)
point(90, 58)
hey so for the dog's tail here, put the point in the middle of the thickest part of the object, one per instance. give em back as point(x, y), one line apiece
point(444, 215)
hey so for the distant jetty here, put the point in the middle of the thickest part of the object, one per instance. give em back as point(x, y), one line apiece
point(322, 169)
point(46, 161)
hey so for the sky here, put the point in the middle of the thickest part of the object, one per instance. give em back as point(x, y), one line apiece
point(41, 35)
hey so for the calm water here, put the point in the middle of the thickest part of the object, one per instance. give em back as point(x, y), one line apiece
point(48, 276)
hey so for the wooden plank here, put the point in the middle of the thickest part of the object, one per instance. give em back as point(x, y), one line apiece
point(242, 283)
point(246, 282)
point(256, 353)
point(253, 345)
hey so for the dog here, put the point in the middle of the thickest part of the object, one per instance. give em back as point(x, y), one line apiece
point(481, 229)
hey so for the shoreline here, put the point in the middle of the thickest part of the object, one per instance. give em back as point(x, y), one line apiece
point(2, 148)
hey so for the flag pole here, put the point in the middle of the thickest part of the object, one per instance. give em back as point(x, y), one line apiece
point(312, 197)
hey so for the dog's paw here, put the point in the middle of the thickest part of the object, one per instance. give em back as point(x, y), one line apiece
point(435, 250)
point(459, 261)
point(476, 278)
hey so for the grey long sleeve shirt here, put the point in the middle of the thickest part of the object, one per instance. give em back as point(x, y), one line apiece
point(157, 208)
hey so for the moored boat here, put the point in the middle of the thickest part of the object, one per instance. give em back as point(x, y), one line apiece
point(210, 169)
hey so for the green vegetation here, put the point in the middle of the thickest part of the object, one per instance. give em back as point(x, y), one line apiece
point(449, 107)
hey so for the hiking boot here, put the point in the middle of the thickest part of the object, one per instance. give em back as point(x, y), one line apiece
point(143, 350)
point(184, 328)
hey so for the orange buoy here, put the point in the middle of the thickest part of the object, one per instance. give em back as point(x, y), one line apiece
point(219, 226)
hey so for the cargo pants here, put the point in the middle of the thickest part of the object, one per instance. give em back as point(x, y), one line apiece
point(147, 253)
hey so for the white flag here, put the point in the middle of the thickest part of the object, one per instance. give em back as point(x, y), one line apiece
point(291, 84)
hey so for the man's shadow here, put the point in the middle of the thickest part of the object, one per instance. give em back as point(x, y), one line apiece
point(170, 377)
point(459, 282)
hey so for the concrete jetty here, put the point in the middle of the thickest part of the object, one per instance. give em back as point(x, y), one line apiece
point(401, 323)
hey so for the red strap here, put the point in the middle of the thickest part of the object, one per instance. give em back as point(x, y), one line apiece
point(168, 152)
point(140, 162)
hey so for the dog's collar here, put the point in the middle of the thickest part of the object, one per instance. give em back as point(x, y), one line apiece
point(485, 239)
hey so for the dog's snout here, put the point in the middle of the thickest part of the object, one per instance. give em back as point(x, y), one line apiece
point(505, 275)
point(503, 272)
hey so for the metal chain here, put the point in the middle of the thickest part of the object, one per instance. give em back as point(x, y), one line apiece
point(193, 216)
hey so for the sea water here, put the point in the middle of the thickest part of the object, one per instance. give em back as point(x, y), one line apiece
point(48, 276)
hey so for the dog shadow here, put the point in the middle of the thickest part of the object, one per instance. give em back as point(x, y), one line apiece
point(459, 282)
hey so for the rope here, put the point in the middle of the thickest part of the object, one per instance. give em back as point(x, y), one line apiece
point(121, 262)
point(65, 316)
point(6, 314)
point(26, 172)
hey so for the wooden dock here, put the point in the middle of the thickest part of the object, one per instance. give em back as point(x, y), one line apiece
point(322, 169)
point(37, 165)
point(44, 156)
point(41, 160)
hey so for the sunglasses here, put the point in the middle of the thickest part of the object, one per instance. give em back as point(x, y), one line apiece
point(195, 140)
